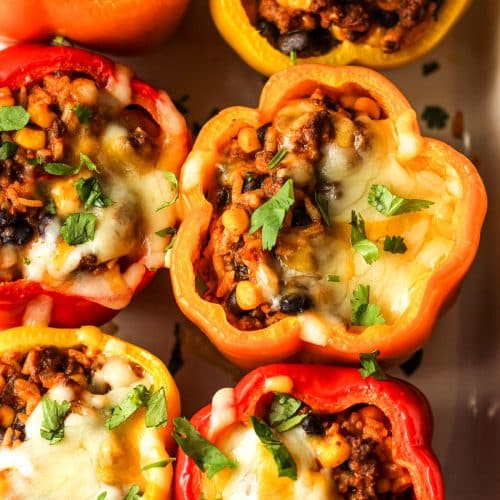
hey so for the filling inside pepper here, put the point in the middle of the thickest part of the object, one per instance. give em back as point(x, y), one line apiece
point(70, 421)
point(313, 27)
point(347, 455)
point(314, 215)
point(79, 188)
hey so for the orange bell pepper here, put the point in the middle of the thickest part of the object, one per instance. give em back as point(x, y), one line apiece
point(119, 26)
point(157, 481)
point(290, 336)
point(234, 25)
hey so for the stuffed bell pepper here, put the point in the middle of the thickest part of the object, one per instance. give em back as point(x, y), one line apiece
point(322, 222)
point(83, 412)
point(88, 164)
point(305, 431)
point(377, 33)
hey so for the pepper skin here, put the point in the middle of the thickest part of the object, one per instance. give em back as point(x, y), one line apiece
point(27, 64)
point(158, 479)
point(122, 26)
point(233, 24)
point(331, 389)
point(285, 338)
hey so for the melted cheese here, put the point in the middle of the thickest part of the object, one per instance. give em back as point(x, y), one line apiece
point(36, 470)
point(256, 477)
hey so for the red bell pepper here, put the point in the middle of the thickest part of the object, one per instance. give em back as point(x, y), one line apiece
point(24, 65)
point(329, 389)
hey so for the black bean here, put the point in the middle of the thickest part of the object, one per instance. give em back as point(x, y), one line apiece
point(23, 233)
point(232, 304)
point(253, 182)
point(391, 46)
point(297, 41)
point(322, 42)
point(261, 132)
point(268, 30)
point(300, 218)
point(294, 303)
point(43, 222)
point(5, 218)
point(240, 272)
point(312, 425)
point(223, 197)
point(386, 18)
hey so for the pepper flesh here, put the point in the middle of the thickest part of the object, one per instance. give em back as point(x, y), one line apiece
point(158, 480)
point(27, 64)
point(235, 27)
point(283, 339)
point(329, 389)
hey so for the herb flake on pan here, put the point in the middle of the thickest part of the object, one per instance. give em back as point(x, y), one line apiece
point(411, 365)
point(90, 193)
point(270, 215)
point(83, 113)
point(370, 366)
point(203, 453)
point(284, 460)
point(395, 244)
point(79, 228)
point(13, 118)
point(54, 413)
point(174, 186)
point(430, 67)
point(387, 203)
point(435, 117)
point(7, 150)
point(277, 158)
point(366, 248)
point(364, 313)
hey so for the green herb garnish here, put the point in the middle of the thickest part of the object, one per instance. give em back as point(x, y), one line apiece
point(271, 214)
point(390, 204)
point(60, 41)
point(50, 207)
point(200, 285)
point(322, 204)
point(26, 261)
point(333, 278)
point(284, 460)
point(79, 228)
point(133, 493)
point(174, 185)
point(162, 233)
point(13, 118)
point(435, 117)
point(293, 57)
point(35, 161)
point(90, 192)
point(54, 413)
point(7, 150)
point(364, 313)
point(370, 366)
point(283, 407)
point(83, 113)
point(203, 453)
point(277, 158)
point(395, 244)
point(156, 409)
point(102, 495)
point(135, 399)
point(366, 248)
point(61, 169)
point(85, 161)
point(160, 463)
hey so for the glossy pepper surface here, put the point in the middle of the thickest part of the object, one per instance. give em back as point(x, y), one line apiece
point(158, 480)
point(285, 338)
point(105, 25)
point(233, 23)
point(27, 64)
point(329, 389)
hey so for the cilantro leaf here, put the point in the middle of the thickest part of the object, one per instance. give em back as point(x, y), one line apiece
point(174, 186)
point(135, 399)
point(333, 278)
point(162, 233)
point(395, 244)
point(54, 414)
point(60, 41)
point(293, 57)
point(90, 192)
point(370, 366)
point(364, 313)
point(203, 453)
point(291, 422)
point(7, 150)
point(156, 409)
point(133, 493)
point(83, 113)
point(387, 203)
point(284, 460)
point(277, 158)
point(61, 169)
point(366, 248)
point(283, 407)
point(160, 463)
point(102, 495)
point(79, 228)
point(50, 207)
point(322, 204)
point(85, 161)
point(435, 117)
point(271, 214)
point(13, 118)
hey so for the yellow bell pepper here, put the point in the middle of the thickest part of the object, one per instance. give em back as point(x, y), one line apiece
point(233, 24)
point(156, 480)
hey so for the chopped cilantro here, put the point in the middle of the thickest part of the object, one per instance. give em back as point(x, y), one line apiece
point(370, 366)
point(364, 313)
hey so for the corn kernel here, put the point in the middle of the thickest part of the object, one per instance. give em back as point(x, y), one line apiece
point(348, 101)
point(248, 295)
point(365, 105)
point(332, 451)
point(65, 198)
point(85, 91)
point(29, 138)
point(372, 412)
point(236, 220)
point(248, 140)
point(41, 114)
point(7, 415)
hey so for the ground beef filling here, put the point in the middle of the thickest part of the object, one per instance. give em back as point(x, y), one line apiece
point(259, 287)
point(26, 377)
point(66, 111)
point(314, 31)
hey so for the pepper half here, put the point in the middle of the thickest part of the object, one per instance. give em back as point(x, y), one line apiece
point(209, 249)
point(233, 23)
point(328, 410)
point(92, 371)
point(151, 121)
